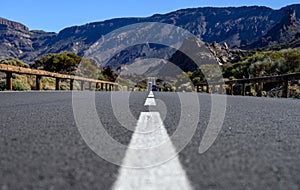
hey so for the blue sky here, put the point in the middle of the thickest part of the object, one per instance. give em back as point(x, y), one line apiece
point(55, 15)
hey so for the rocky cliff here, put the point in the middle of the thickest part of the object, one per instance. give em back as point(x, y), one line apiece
point(287, 29)
point(239, 27)
point(18, 42)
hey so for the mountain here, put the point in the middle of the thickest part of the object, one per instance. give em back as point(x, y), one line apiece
point(240, 27)
point(17, 41)
point(284, 31)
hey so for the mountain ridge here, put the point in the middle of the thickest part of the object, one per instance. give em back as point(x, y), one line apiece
point(237, 26)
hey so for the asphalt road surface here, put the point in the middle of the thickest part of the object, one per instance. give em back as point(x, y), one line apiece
point(41, 147)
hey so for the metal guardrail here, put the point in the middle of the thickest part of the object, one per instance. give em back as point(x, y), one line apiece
point(9, 70)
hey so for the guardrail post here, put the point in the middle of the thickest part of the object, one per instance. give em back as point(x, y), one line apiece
point(98, 86)
point(57, 84)
point(224, 91)
point(286, 89)
point(260, 89)
point(9, 81)
point(207, 88)
point(231, 89)
point(90, 85)
point(82, 85)
point(38, 82)
point(244, 89)
point(71, 84)
point(221, 89)
point(9, 70)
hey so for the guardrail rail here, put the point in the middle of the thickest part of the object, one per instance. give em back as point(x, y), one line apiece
point(283, 79)
point(9, 70)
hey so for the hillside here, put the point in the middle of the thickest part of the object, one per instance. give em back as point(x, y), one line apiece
point(241, 27)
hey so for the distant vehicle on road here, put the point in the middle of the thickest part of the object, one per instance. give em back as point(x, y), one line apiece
point(154, 88)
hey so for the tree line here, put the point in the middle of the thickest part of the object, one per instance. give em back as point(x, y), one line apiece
point(67, 63)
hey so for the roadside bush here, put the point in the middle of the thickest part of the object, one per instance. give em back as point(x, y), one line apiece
point(2, 85)
point(17, 86)
point(64, 62)
point(267, 63)
point(13, 62)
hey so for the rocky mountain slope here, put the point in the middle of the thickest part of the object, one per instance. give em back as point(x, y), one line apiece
point(284, 31)
point(242, 27)
point(17, 41)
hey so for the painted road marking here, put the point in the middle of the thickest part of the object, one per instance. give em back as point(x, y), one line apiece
point(150, 132)
point(151, 95)
point(150, 101)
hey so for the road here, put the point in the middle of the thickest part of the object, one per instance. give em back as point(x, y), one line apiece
point(41, 147)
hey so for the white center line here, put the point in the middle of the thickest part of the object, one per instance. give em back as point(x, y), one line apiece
point(149, 135)
point(150, 101)
point(169, 175)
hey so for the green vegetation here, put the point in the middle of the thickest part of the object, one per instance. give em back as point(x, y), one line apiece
point(65, 62)
point(260, 64)
point(182, 82)
point(264, 63)
point(165, 85)
point(72, 64)
point(17, 85)
point(267, 63)
point(107, 74)
point(13, 62)
point(87, 68)
point(141, 85)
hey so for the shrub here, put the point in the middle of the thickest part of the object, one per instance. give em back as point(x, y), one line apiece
point(64, 62)
point(17, 86)
point(2, 85)
point(13, 62)
point(265, 64)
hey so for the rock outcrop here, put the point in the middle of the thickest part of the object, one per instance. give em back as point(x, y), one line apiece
point(14, 25)
point(284, 31)
point(18, 42)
